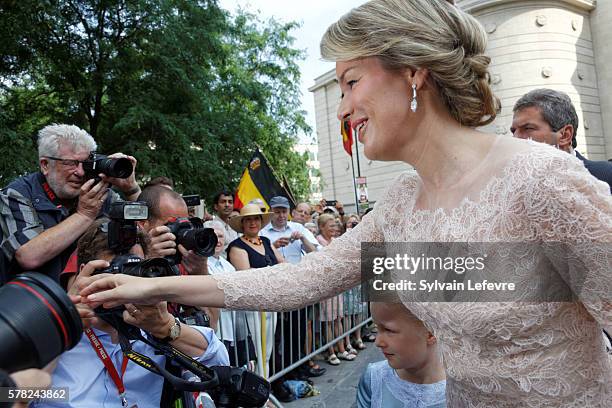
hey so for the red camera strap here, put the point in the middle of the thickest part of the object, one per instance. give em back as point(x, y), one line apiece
point(110, 367)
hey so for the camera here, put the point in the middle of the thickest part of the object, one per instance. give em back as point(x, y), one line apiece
point(132, 265)
point(239, 388)
point(38, 322)
point(191, 234)
point(192, 200)
point(99, 163)
point(122, 229)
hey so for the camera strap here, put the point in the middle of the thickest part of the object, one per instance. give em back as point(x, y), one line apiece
point(50, 194)
point(209, 378)
point(110, 367)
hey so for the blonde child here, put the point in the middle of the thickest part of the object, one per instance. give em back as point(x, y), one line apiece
point(412, 374)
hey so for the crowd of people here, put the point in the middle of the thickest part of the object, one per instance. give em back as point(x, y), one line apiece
point(414, 83)
point(54, 221)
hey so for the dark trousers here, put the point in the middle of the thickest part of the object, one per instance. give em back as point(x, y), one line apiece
point(289, 347)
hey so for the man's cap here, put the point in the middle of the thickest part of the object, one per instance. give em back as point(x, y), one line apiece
point(279, 201)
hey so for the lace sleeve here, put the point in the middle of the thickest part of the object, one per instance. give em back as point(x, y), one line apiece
point(320, 274)
point(572, 213)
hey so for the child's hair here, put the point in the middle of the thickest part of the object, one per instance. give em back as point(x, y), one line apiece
point(401, 309)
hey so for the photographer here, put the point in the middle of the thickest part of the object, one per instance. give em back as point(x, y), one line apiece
point(165, 205)
point(96, 382)
point(44, 213)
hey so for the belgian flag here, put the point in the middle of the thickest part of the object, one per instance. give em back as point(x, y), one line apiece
point(258, 181)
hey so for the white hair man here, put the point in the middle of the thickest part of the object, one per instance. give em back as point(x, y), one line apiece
point(44, 213)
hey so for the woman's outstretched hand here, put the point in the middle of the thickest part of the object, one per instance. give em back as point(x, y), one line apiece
point(110, 290)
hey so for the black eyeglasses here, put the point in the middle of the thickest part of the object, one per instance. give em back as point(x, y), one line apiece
point(71, 163)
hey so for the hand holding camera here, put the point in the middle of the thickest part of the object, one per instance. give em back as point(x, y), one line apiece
point(281, 242)
point(91, 198)
point(126, 185)
point(162, 243)
point(295, 235)
point(193, 263)
point(88, 316)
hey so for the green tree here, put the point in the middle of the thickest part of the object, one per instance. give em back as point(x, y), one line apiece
point(182, 85)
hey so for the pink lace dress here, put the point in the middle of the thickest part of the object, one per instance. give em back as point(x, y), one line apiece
point(332, 308)
point(513, 354)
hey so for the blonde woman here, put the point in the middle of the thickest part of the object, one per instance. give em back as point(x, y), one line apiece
point(415, 84)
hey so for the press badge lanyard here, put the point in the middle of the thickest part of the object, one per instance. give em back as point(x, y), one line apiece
point(110, 367)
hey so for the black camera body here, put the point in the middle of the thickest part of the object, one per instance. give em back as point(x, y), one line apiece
point(99, 163)
point(192, 200)
point(239, 388)
point(191, 234)
point(132, 265)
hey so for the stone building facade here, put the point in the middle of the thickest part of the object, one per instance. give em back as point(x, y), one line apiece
point(559, 44)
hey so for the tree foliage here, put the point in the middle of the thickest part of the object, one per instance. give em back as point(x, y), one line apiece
point(182, 85)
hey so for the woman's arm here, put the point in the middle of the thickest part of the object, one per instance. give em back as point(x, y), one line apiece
point(279, 256)
point(574, 218)
point(239, 258)
point(282, 287)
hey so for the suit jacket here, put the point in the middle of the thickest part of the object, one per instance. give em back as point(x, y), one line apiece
point(601, 170)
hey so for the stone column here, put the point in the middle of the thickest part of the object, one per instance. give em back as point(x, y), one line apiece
point(601, 28)
point(543, 44)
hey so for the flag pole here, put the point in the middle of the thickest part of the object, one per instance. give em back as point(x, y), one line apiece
point(355, 187)
point(357, 154)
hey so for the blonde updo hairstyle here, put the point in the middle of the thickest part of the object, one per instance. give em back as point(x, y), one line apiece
point(413, 34)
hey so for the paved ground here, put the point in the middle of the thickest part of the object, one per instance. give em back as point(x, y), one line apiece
point(339, 384)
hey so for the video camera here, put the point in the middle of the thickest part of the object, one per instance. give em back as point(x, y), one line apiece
point(99, 163)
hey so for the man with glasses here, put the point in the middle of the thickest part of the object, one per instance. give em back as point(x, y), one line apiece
point(44, 213)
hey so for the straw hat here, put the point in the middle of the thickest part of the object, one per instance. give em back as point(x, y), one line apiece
point(248, 210)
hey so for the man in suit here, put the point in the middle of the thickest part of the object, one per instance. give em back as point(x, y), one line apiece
point(548, 116)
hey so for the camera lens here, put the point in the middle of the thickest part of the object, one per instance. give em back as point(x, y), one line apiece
point(120, 168)
point(38, 322)
point(200, 240)
point(155, 268)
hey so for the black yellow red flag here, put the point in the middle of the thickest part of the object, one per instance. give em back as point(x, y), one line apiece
point(259, 181)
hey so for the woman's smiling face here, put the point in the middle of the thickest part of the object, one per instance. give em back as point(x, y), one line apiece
point(377, 102)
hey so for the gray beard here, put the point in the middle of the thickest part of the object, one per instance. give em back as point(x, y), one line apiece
point(59, 189)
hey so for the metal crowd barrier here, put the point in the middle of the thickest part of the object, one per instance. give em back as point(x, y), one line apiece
point(274, 344)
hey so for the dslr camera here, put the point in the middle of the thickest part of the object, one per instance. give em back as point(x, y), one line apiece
point(122, 234)
point(99, 163)
point(191, 234)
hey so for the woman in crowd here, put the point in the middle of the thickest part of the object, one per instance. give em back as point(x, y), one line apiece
point(415, 84)
point(354, 308)
point(252, 251)
point(230, 325)
point(331, 309)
